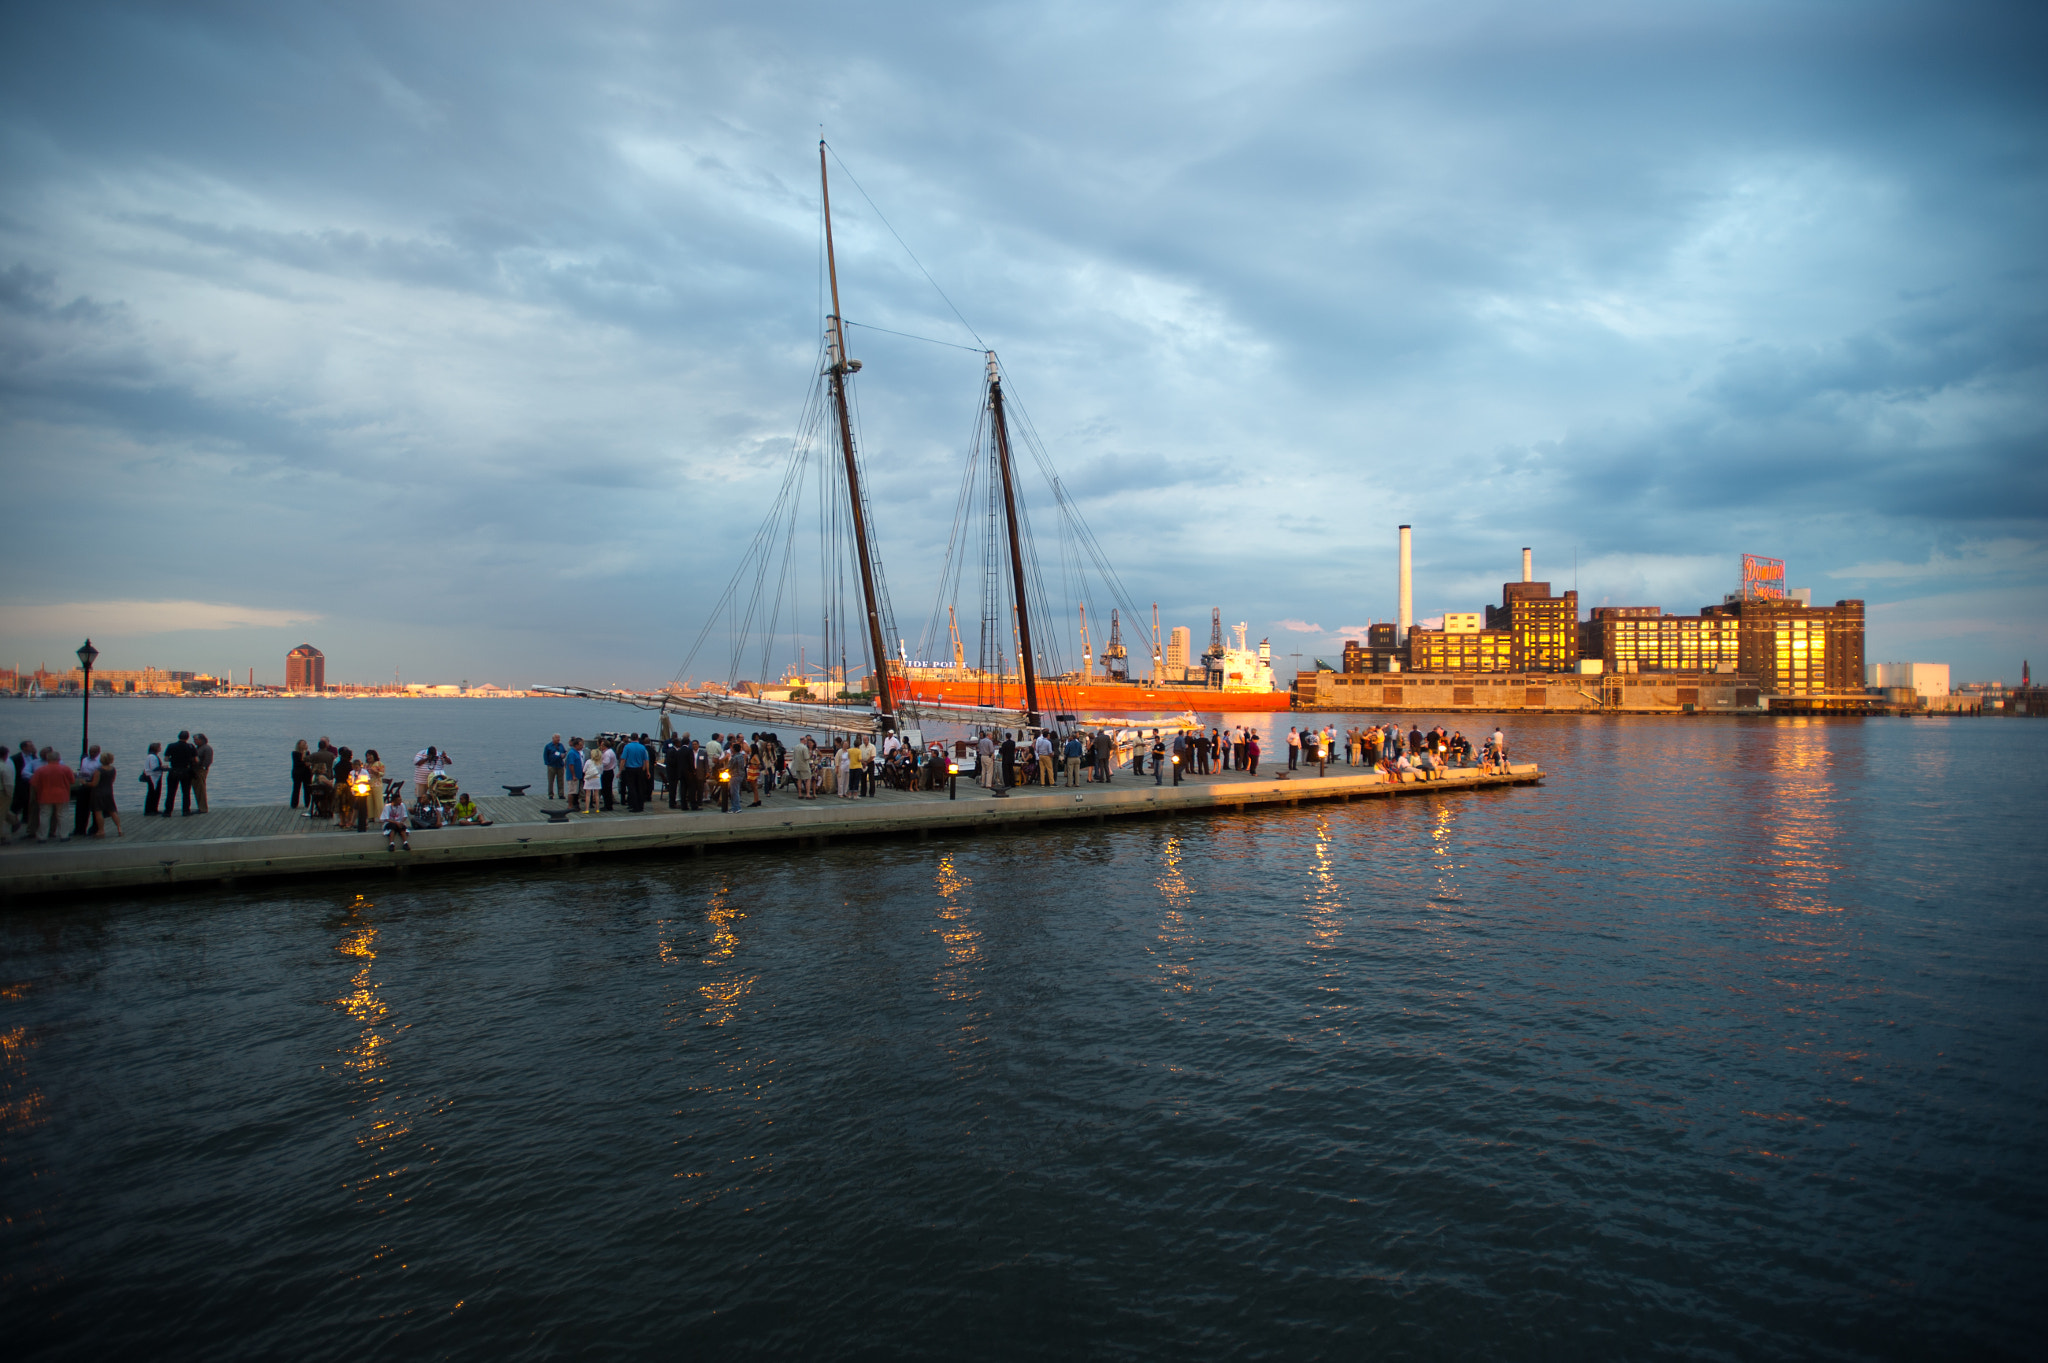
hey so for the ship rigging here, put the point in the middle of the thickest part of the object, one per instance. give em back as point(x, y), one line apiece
point(860, 687)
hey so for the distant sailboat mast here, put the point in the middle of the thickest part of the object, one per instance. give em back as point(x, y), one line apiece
point(841, 367)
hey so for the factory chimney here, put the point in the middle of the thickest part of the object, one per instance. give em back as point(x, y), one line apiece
point(1407, 585)
point(1528, 566)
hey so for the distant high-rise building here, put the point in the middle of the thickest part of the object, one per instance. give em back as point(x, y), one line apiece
point(1178, 643)
point(305, 669)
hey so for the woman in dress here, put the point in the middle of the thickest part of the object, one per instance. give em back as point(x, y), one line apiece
point(593, 781)
point(374, 765)
point(103, 798)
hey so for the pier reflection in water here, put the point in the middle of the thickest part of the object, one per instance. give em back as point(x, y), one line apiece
point(1715, 1043)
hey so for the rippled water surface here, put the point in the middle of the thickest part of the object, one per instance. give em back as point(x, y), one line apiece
point(1728, 1042)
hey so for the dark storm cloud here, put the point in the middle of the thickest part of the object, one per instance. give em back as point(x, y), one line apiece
point(520, 297)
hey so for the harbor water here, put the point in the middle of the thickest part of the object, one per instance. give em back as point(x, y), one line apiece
point(1730, 1041)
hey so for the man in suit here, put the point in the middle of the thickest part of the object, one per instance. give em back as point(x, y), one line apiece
point(672, 754)
point(183, 759)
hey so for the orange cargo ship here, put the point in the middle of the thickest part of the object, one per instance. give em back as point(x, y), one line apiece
point(1236, 681)
point(1097, 697)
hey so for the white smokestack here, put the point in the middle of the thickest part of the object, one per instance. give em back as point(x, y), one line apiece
point(1407, 583)
point(1528, 566)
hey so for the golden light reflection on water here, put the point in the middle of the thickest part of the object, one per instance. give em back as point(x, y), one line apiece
point(379, 1124)
point(1326, 899)
point(959, 976)
point(1798, 822)
point(21, 1102)
point(728, 986)
point(1174, 951)
point(1443, 853)
point(363, 1003)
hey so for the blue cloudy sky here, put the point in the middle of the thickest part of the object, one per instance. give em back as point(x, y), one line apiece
point(468, 340)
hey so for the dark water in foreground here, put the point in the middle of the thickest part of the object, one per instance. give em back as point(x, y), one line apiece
point(1728, 1043)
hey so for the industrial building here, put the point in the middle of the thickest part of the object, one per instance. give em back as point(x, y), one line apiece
point(1761, 649)
point(1928, 681)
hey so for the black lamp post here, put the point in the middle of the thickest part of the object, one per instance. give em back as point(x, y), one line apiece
point(86, 654)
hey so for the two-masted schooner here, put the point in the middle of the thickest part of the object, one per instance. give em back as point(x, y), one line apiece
point(1018, 686)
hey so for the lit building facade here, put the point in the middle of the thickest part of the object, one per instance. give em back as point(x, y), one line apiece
point(1644, 639)
point(1793, 649)
point(1544, 631)
point(305, 669)
point(1483, 650)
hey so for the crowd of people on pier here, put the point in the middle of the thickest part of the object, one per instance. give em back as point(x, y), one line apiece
point(353, 791)
point(1415, 755)
point(36, 784)
point(729, 772)
point(726, 772)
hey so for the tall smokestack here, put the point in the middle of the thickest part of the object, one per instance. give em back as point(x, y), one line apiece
point(1528, 566)
point(1407, 583)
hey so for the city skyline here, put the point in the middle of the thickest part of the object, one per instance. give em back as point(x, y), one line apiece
point(342, 325)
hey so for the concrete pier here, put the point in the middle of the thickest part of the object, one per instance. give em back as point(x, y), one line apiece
point(245, 844)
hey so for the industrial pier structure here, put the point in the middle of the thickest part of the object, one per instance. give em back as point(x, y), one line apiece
point(1760, 651)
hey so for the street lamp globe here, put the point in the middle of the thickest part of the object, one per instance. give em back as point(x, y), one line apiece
point(86, 654)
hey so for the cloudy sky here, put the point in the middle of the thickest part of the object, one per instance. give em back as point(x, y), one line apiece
point(468, 340)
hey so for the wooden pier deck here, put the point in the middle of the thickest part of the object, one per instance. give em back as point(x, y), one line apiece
point(239, 844)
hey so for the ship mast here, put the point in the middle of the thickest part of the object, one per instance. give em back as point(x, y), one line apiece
point(840, 368)
point(1002, 430)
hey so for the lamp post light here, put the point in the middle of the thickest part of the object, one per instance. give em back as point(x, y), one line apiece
point(86, 654)
point(952, 780)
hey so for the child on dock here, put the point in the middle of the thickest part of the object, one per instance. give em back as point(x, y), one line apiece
point(394, 823)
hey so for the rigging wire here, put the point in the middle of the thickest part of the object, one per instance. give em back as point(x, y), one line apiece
point(906, 248)
point(864, 326)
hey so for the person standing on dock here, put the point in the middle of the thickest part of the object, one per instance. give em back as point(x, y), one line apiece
point(572, 767)
point(81, 794)
point(202, 767)
point(634, 759)
point(425, 764)
point(552, 758)
point(21, 809)
point(1251, 752)
point(181, 755)
point(800, 767)
point(1072, 753)
point(1180, 756)
point(1293, 748)
point(673, 750)
point(53, 781)
point(593, 781)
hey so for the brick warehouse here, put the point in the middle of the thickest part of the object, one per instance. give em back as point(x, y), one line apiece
point(1746, 655)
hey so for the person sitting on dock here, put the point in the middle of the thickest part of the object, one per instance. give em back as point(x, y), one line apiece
point(395, 825)
point(466, 812)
